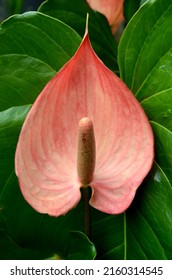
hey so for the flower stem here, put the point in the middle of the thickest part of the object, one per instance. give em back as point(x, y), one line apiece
point(86, 198)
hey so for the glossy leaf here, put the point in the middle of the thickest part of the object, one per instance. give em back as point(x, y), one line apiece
point(10, 125)
point(32, 48)
point(51, 236)
point(108, 233)
point(130, 8)
point(10, 250)
point(145, 49)
point(149, 232)
point(163, 138)
point(86, 250)
point(21, 80)
point(146, 66)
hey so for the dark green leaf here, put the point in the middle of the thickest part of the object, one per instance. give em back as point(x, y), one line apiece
point(39, 36)
point(145, 49)
point(163, 148)
point(11, 121)
point(12, 251)
point(33, 47)
point(149, 220)
point(145, 63)
point(85, 251)
point(159, 108)
point(130, 8)
point(108, 235)
point(32, 230)
point(21, 79)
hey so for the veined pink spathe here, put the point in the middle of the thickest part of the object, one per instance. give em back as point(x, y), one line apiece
point(46, 154)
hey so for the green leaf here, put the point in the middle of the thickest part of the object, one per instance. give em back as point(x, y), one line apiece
point(21, 79)
point(108, 235)
point(32, 230)
point(33, 47)
point(163, 148)
point(47, 235)
point(145, 64)
point(10, 124)
point(74, 14)
point(86, 250)
point(145, 49)
point(149, 220)
point(11, 121)
point(12, 251)
point(130, 8)
point(159, 108)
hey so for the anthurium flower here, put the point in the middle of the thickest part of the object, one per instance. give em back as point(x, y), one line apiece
point(85, 128)
point(112, 9)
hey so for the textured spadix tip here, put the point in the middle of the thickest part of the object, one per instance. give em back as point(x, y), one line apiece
point(86, 154)
point(85, 124)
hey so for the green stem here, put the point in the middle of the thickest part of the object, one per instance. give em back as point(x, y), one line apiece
point(86, 198)
point(125, 237)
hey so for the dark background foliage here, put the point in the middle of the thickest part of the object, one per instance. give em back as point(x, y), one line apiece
point(10, 7)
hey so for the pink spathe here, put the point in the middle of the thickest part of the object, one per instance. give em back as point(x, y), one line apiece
point(112, 9)
point(46, 155)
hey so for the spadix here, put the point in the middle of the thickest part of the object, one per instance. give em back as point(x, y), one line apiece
point(86, 154)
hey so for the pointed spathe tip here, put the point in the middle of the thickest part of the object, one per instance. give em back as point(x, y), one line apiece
point(86, 27)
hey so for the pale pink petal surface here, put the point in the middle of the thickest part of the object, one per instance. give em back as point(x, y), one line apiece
point(112, 9)
point(46, 155)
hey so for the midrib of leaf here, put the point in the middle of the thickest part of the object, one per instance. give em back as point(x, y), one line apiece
point(137, 243)
point(150, 228)
point(124, 244)
point(160, 167)
point(120, 246)
point(126, 47)
point(155, 95)
point(163, 173)
point(10, 125)
point(144, 81)
point(153, 232)
point(161, 126)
